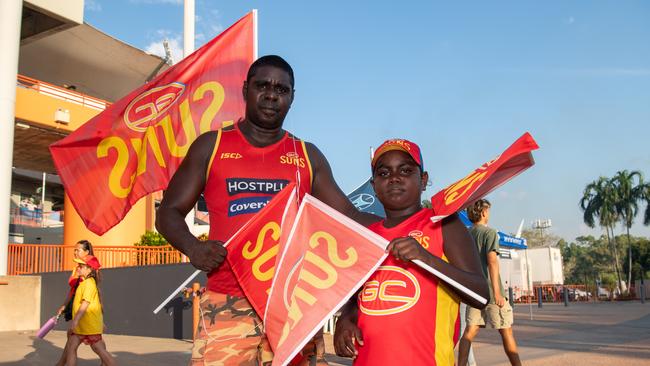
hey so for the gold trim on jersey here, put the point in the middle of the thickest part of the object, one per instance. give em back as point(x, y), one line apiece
point(214, 153)
point(311, 174)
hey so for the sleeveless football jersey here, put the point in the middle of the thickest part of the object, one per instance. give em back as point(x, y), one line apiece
point(406, 316)
point(241, 180)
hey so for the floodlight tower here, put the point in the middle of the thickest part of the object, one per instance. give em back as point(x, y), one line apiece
point(541, 225)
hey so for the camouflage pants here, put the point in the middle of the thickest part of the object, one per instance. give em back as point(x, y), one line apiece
point(231, 333)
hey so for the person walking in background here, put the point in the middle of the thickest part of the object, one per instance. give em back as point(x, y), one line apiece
point(81, 249)
point(87, 314)
point(498, 313)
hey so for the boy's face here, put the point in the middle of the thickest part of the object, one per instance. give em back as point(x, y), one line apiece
point(397, 181)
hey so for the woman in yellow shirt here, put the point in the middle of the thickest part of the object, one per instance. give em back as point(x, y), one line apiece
point(87, 315)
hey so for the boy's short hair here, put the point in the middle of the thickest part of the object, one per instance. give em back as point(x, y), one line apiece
point(475, 210)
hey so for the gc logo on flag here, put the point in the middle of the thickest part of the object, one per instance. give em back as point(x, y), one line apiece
point(144, 109)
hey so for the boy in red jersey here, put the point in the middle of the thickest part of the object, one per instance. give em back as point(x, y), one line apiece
point(403, 314)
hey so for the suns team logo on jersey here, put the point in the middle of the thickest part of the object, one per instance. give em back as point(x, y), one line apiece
point(398, 291)
point(292, 158)
point(420, 238)
point(145, 109)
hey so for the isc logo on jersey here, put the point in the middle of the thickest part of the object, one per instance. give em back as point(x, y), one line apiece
point(230, 155)
point(420, 238)
point(397, 291)
point(292, 158)
point(144, 110)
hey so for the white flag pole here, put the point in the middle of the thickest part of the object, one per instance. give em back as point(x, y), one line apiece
point(179, 289)
point(451, 282)
point(255, 50)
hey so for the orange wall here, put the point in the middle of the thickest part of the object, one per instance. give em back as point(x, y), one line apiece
point(39, 108)
point(128, 231)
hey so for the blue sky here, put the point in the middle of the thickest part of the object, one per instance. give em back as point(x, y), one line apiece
point(463, 80)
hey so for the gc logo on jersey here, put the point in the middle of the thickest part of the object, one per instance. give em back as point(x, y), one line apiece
point(398, 291)
point(292, 158)
point(420, 238)
point(148, 106)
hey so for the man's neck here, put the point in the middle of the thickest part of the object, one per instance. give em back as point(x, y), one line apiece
point(258, 136)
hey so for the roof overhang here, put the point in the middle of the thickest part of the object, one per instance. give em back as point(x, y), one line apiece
point(93, 62)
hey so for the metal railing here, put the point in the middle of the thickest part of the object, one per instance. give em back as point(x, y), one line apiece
point(61, 93)
point(552, 293)
point(39, 258)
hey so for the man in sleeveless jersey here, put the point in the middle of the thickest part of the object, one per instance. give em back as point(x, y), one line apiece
point(498, 313)
point(239, 169)
point(404, 315)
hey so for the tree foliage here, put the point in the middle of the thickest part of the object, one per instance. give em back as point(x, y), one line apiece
point(607, 202)
point(151, 239)
point(589, 259)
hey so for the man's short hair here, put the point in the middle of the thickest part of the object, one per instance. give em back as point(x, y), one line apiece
point(270, 60)
point(475, 210)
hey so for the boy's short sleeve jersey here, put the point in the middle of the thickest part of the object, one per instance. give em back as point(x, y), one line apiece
point(406, 316)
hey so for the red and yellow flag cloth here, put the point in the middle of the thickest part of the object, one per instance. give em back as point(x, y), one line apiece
point(253, 250)
point(299, 264)
point(483, 180)
point(325, 259)
point(134, 147)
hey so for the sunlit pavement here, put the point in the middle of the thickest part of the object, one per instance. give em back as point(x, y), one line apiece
point(591, 334)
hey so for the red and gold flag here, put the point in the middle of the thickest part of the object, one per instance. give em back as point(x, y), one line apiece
point(253, 250)
point(483, 180)
point(326, 258)
point(134, 147)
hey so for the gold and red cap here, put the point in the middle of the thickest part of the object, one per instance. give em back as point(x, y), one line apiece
point(406, 146)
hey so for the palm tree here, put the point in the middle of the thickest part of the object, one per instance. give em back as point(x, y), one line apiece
point(646, 196)
point(599, 203)
point(627, 206)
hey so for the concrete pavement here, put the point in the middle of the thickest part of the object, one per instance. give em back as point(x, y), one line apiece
point(593, 334)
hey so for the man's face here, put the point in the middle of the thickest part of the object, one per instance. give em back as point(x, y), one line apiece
point(268, 95)
point(397, 181)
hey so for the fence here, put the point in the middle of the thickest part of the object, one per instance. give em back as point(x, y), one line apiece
point(61, 93)
point(38, 258)
point(553, 293)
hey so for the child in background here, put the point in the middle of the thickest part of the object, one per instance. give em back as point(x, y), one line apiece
point(87, 314)
point(81, 249)
point(405, 316)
